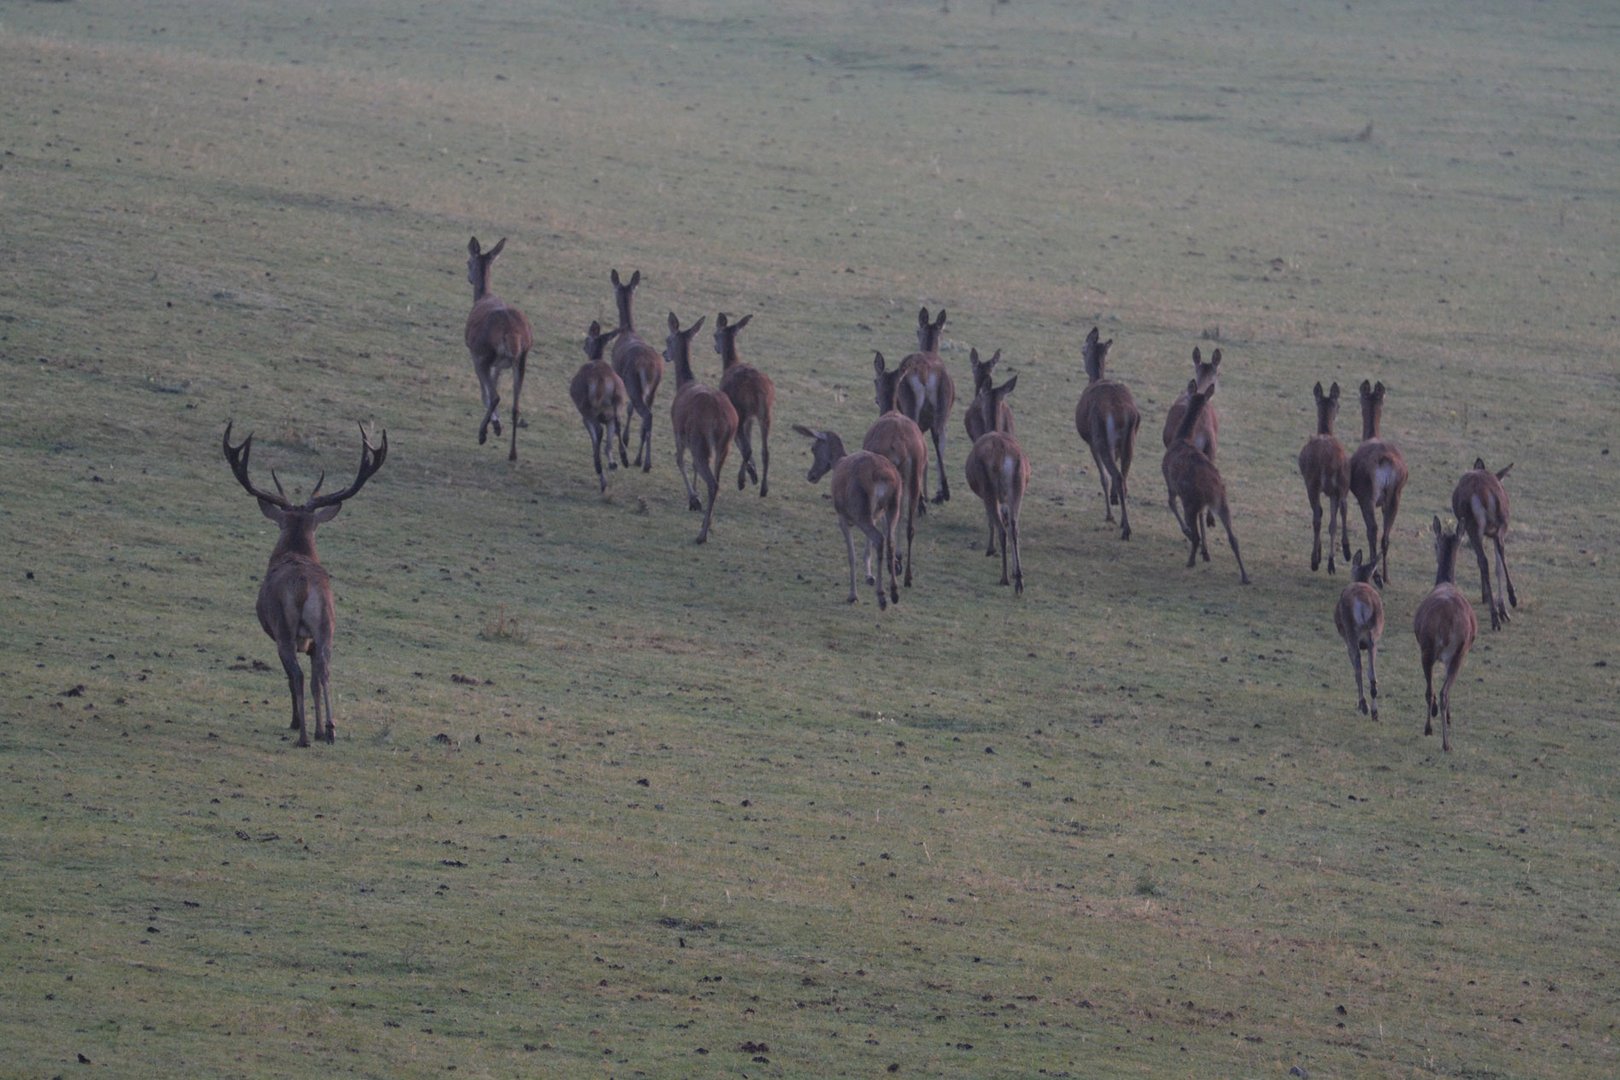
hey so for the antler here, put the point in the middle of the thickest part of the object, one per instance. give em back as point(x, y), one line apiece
point(371, 459)
point(238, 458)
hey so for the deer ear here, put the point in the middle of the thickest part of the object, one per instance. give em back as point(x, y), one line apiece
point(877, 362)
point(472, 247)
point(806, 432)
point(922, 316)
point(695, 327)
point(1007, 387)
point(1479, 464)
point(613, 276)
point(939, 320)
point(1501, 474)
point(1366, 388)
point(635, 279)
point(720, 321)
point(1438, 531)
point(1091, 338)
point(1215, 359)
point(1317, 391)
point(1333, 394)
point(1378, 389)
point(326, 513)
point(1198, 357)
point(270, 510)
point(499, 246)
point(742, 322)
point(674, 324)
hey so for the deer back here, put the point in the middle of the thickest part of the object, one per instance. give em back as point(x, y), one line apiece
point(897, 437)
point(1480, 497)
point(998, 469)
point(1359, 615)
point(866, 487)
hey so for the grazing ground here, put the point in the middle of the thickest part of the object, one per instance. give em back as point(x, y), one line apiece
point(607, 803)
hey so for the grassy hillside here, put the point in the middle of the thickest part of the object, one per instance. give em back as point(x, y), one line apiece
point(607, 803)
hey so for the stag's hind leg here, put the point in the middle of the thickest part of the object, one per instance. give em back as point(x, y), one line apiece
point(320, 672)
point(288, 654)
point(518, 369)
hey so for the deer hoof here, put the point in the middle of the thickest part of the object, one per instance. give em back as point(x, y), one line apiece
point(694, 504)
point(483, 436)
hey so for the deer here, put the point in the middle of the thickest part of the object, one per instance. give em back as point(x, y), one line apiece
point(1191, 477)
point(866, 491)
point(703, 419)
point(641, 368)
point(998, 473)
point(753, 395)
point(295, 599)
point(1359, 617)
point(1481, 504)
point(989, 410)
point(1377, 476)
point(1326, 469)
point(498, 337)
point(600, 397)
point(1445, 627)
point(897, 437)
point(926, 393)
point(1107, 419)
point(1205, 378)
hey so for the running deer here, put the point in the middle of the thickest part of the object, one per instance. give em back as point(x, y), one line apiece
point(926, 393)
point(498, 337)
point(640, 367)
point(1445, 627)
point(1205, 378)
point(998, 473)
point(1107, 419)
point(897, 437)
point(1359, 618)
point(295, 600)
point(866, 491)
point(989, 410)
point(1481, 505)
point(704, 422)
point(1193, 478)
point(1326, 469)
point(599, 395)
point(1377, 475)
point(753, 395)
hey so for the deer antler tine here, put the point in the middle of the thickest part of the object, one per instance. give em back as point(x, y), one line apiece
point(279, 490)
point(319, 480)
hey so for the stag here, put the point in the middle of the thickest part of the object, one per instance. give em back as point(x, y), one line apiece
point(866, 490)
point(1107, 419)
point(1326, 469)
point(897, 437)
point(1191, 477)
point(1481, 504)
point(498, 337)
point(1377, 476)
point(295, 600)
point(753, 395)
point(998, 473)
point(926, 393)
point(703, 419)
point(641, 368)
point(599, 395)
point(1359, 618)
point(1445, 627)
point(989, 410)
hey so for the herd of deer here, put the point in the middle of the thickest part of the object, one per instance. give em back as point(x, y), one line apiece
point(871, 487)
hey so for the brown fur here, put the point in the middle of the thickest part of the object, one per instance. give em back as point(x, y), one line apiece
point(1205, 432)
point(898, 438)
point(1445, 628)
point(1326, 469)
point(1481, 504)
point(753, 395)
point(295, 599)
point(866, 491)
point(1107, 419)
point(703, 420)
point(598, 393)
point(998, 473)
point(1377, 478)
point(1359, 618)
point(498, 337)
point(926, 393)
point(988, 411)
point(1192, 478)
point(640, 367)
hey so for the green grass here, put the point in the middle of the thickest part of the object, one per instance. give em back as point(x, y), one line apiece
point(606, 803)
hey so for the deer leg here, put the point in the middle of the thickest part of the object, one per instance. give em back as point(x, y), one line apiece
point(849, 545)
point(944, 493)
point(1428, 690)
point(1502, 570)
point(295, 685)
point(1001, 533)
point(1453, 667)
point(1392, 504)
point(1470, 525)
point(874, 542)
point(745, 448)
point(1355, 665)
point(1118, 475)
point(320, 660)
point(692, 502)
point(517, 391)
point(1371, 523)
point(891, 527)
point(1316, 532)
point(911, 531)
point(1372, 674)
point(1231, 538)
point(700, 465)
point(1103, 477)
point(1017, 558)
point(765, 458)
point(1343, 504)
point(611, 439)
point(492, 401)
point(990, 520)
point(594, 429)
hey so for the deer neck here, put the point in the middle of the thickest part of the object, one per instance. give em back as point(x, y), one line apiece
point(481, 287)
point(728, 356)
point(1324, 422)
point(1369, 422)
point(627, 324)
point(1445, 571)
point(297, 539)
point(683, 367)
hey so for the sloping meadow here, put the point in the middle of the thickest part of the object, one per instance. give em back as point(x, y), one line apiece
point(607, 802)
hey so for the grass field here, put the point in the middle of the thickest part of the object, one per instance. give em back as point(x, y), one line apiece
point(605, 803)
